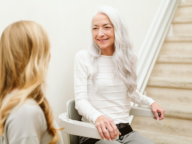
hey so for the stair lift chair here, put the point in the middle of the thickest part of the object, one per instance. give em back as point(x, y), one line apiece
point(73, 125)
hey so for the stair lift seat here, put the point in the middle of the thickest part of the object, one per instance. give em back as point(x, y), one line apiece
point(73, 125)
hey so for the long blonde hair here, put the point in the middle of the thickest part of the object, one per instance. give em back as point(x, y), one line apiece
point(24, 58)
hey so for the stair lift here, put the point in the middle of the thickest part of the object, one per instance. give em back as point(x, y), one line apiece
point(73, 125)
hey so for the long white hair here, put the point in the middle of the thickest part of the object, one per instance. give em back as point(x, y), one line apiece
point(124, 57)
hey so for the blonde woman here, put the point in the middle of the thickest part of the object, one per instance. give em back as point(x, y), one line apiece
point(105, 81)
point(25, 114)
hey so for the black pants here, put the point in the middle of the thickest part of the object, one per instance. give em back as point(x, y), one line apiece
point(123, 128)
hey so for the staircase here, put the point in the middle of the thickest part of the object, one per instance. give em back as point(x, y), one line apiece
point(170, 85)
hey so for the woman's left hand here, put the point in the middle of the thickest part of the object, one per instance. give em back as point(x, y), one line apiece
point(157, 109)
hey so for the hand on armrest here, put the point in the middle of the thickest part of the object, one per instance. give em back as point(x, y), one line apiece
point(103, 124)
point(158, 111)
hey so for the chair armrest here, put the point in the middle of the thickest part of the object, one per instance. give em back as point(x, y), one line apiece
point(140, 111)
point(78, 127)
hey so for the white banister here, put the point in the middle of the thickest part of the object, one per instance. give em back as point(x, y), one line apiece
point(153, 42)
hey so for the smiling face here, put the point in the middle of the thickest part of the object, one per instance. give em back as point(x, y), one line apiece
point(103, 32)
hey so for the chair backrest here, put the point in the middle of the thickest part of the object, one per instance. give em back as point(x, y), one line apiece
point(74, 115)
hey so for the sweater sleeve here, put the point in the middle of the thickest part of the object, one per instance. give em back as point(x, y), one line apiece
point(139, 98)
point(82, 104)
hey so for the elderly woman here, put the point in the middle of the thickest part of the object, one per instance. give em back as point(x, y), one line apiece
point(105, 81)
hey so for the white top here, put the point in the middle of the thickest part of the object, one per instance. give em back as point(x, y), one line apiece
point(27, 125)
point(111, 98)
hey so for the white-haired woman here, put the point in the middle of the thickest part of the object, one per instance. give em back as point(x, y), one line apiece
point(25, 114)
point(105, 81)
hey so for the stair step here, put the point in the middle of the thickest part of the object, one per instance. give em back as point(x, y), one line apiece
point(184, 10)
point(174, 59)
point(176, 48)
point(181, 20)
point(170, 83)
point(183, 71)
point(182, 29)
point(178, 111)
point(178, 39)
point(169, 125)
point(161, 138)
point(168, 96)
point(185, 4)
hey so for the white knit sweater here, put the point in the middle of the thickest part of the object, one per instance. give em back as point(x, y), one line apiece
point(111, 98)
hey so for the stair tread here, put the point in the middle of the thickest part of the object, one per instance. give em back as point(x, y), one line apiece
point(170, 95)
point(184, 4)
point(178, 39)
point(184, 19)
point(180, 48)
point(184, 29)
point(178, 111)
point(174, 59)
point(168, 125)
point(162, 138)
point(171, 70)
point(184, 10)
point(170, 82)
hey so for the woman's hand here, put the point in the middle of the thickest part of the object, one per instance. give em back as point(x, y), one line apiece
point(103, 124)
point(158, 111)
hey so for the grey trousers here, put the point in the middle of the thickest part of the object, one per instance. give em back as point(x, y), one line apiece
point(130, 138)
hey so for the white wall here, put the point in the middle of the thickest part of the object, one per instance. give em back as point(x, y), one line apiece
point(68, 25)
